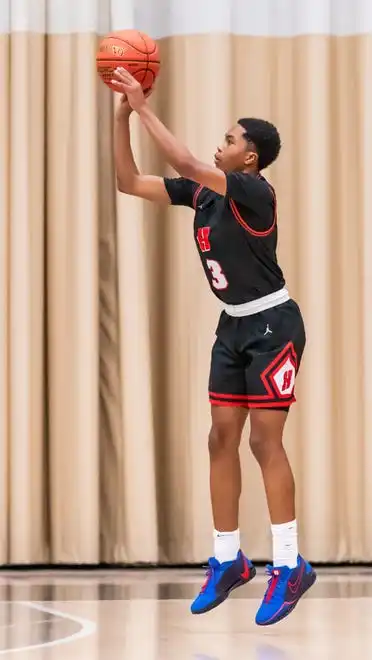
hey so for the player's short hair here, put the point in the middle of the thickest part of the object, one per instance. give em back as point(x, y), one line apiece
point(265, 137)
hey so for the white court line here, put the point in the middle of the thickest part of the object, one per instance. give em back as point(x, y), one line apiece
point(87, 628)
point(34, 623)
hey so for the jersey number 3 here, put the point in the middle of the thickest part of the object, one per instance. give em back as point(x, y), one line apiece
point(219, 280)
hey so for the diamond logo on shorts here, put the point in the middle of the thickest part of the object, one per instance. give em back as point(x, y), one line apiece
point(279, 377)
point(285, 377)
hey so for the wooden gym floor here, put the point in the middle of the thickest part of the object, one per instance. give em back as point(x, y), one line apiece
point(144, 615)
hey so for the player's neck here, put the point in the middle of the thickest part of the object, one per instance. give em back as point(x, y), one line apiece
point(252, 171)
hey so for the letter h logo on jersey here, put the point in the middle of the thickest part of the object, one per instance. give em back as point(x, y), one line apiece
point(202, 237)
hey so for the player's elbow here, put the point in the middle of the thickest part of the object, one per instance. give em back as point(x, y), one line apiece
point(124, 185)
point(120, 186)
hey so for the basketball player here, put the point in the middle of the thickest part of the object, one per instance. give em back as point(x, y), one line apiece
point(260, 337)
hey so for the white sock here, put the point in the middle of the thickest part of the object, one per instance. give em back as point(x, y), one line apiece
point(285, 545)
point(226, 545)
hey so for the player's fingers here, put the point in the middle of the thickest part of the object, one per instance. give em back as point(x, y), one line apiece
point(118, 75)
point(122, 78)
point(119, 86)
point(125, 75)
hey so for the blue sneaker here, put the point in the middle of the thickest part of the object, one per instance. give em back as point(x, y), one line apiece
point(286, 586)
point(221, 579)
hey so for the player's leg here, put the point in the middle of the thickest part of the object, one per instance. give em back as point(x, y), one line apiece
point(229, 568)
point(229, 410)
point(270, 385)
point(225, 476)
point(290, 576)
point(266, 442)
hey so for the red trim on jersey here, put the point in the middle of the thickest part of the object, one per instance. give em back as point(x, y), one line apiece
point(196, 196)
point(249, 229)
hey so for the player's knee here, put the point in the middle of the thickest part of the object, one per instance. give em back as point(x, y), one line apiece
point(264, 442)
point(262, 446)
point(222, 439)
point(266, 438)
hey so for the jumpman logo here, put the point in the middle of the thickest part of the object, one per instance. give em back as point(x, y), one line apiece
point(268, 331)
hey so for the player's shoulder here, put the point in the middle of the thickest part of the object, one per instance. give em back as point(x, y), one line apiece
point(250, 182)
point(268, 187)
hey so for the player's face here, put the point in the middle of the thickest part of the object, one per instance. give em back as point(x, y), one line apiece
point(235, 154)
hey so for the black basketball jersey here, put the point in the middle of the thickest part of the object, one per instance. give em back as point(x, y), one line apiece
point(236, 235)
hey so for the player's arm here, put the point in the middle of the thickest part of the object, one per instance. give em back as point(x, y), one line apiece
point(129, 179)
point(179, 156)
point(242, 188)
point(175, 153)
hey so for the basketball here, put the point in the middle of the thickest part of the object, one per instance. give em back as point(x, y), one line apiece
point(134, 51)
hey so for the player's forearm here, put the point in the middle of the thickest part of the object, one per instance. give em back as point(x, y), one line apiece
point(126, 168)
point(175, 153)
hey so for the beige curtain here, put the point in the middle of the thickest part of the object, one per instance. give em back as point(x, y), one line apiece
point(107, 322)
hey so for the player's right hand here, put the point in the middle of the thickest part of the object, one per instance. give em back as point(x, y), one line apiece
point(124, 109)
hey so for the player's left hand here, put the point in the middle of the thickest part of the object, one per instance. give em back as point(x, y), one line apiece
point(126, 84)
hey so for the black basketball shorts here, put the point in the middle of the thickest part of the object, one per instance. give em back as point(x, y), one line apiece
point(255, 359)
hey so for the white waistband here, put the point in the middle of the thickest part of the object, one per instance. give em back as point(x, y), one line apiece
point(258, 305)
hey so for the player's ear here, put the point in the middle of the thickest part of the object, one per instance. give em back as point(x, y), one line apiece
point(251, 158)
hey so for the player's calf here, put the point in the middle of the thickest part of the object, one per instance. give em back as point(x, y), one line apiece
point(289, 576)
point(229, 568)
point(225, 471)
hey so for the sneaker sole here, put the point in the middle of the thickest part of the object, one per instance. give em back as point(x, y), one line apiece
point(290, 609)
point(224, 596)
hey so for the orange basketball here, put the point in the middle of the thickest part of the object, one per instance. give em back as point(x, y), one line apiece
point(132, 50)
